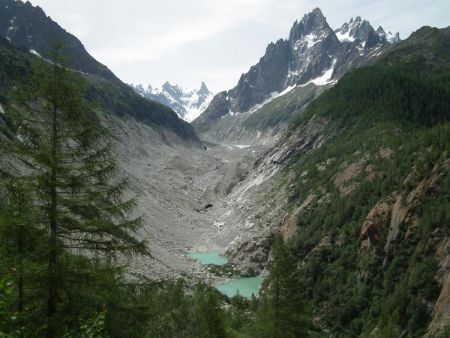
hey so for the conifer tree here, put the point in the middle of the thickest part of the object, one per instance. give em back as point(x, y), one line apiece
point(209, 315)
point(20, 247)
point(281, 313)
point(68, 155)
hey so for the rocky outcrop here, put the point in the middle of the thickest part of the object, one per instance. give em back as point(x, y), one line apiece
point(395, 210)
point(251, 255)
point(398, 216)
point(441, 309)
point(385, 153)
point(290, 222)
point(371, 229)
point(344, 180)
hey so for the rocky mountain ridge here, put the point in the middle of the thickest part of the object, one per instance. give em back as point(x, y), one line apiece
point(187, 103)
point(314, 54)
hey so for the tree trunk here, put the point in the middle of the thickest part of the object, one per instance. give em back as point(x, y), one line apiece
point(20, 302)
point(20, 296)
point(277, 300)
point(53, 251)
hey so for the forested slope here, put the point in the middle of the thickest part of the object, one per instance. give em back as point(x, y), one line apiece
point(370, 219)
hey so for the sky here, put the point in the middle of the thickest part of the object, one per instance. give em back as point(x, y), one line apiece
point(186, 42)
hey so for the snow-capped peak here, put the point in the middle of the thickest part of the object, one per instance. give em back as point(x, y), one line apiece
point(187, 103)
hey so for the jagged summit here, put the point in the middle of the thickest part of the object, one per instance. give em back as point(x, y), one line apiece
point(204, 89)
point(187, 103)
point(311, 22)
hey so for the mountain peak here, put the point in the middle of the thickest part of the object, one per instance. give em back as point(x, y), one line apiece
point(315, 15)
point(312, 22)
point(317, 11)
point(204, 89)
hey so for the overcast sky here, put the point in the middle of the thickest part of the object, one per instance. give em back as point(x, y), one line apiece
point(189, 41)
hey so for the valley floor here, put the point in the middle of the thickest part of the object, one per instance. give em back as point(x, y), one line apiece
point(182, 192)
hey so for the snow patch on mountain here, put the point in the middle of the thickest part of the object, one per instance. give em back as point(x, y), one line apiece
point(32, 51)
point(325, 78)
point(271, 97)
point(344, 37)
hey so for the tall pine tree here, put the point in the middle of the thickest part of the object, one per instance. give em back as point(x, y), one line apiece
point(68, 156)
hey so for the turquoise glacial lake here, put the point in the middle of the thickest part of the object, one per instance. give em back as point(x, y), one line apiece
point(245, 286)
point(209, 258)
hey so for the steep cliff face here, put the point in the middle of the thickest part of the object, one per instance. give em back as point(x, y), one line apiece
point(360, 183)
point(313, 56)
point(262, 79)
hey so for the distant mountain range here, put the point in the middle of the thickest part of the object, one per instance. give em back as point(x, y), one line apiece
point(314, 54)
point(187, 103)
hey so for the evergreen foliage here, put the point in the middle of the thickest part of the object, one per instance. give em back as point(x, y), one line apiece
point(281, 313)
point(63, 186)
